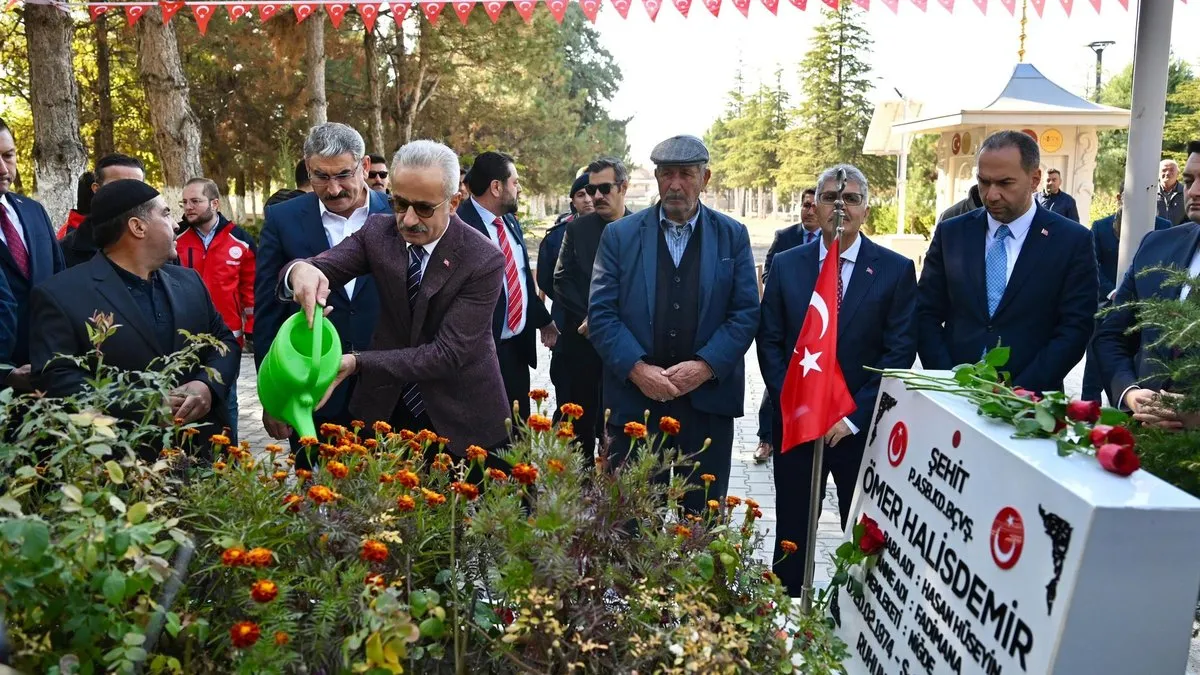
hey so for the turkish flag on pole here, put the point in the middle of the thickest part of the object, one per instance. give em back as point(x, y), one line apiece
point(814, 395)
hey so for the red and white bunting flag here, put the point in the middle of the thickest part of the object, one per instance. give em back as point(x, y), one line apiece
point(303, 11)
point(336, 10)
point(833, 4)
point(948, 4)
point(369, 11)
point(772, 6)
point(713, 6)
point(236, 12)
point(1125, 4)
point(622, 7)
point(800, 4)
point(652, 7)
point(1067, 4)
point(743, 7)
point(462, 9)
point(399, 11)
point(203, 13)
point(1096, 5)
point(135, 12)
point(921, 4)
point(1038, 6)
point(525, 9)
point(558, 9)
point(865, 4)
point(493, 9)
point(432, 11)
point(590, 9)
point(683, 6)
point(265, 12)
point(982, 5)
point(893, 5)
point(97, 10)
point(1010, 5)
point(169, 9)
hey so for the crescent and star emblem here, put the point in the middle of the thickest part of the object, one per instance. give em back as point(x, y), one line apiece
point(1008, 538)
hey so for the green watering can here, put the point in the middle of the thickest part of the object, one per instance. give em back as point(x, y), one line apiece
point(300, 365)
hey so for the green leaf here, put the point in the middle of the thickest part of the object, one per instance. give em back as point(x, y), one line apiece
point(11, 505)
point(1066, 447)
point(173, 624)
point(963, 376)
point(98, 450)
point(73, 493)
point(1045, 419)
point(432, 628)
point(997, 357)
point(134, 639)
point(115, 473)
point(1113, 417)
point(1027, 426)
point(114, 588)
point(138, 512)
point(418, 602)
point(442, 578)
point(116, 503)
point(36, 539)
point(704, 561)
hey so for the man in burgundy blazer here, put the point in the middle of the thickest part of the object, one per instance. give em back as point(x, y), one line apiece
point(432, 362)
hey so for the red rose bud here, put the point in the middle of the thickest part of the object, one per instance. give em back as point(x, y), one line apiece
point(1102, 434)
point(1118, 459)
point(872, 540)
point(1026, 394)
point(1083, 411)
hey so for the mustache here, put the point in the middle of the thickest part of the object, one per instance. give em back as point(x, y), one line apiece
point(414, 229)
point(671, 194)
point(344, 194)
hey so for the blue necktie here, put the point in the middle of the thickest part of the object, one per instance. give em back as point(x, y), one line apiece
point(997, 268)
point(411, 394)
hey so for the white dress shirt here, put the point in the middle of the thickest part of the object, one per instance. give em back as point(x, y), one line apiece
point(428, 253)
point(518, 257)
point(337, 228)
point(849, 257)
point(6, 204)
point(1193, 271)
point(1012, 245)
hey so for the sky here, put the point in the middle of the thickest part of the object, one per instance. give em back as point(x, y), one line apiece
point(678, 71)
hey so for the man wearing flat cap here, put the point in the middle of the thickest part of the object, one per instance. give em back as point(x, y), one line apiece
point(673, 310)
point(149, 300)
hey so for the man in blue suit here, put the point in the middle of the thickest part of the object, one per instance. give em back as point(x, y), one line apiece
point(29, 254)
point(1106, 239)
point(1133, 370)
point(673, 310)
point(875, 328)
point(1012, 274)
point(8, 322)
point(302, 228)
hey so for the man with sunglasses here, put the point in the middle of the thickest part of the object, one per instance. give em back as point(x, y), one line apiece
point(607, 183)
point(377, 174)
point(305, 226)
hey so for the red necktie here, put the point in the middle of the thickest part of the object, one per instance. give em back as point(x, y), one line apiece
point(511, 280)
point(15, 246)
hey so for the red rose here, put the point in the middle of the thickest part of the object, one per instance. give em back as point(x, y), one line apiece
point(872, 540)
point(1118, 459)
point(1083, 411)
point(1026, 394)
point(1102, 434)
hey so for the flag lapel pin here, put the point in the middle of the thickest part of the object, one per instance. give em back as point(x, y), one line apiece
point(870, 271)
point(446, 262)
point(1045, 232)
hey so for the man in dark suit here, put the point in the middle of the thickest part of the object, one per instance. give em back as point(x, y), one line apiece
point(1132, 369)
point(29, 254)
point(1054, 200)
point(1012, 274)
point(608, 182)
point(673, 310)
point(875, 328)
point(79, 245)
point(1106, 237)
point(432, 364)
point(305, 226)
point(548, 250)
point(8, 322)
point(149, 300)
point(495, 188)
point(968, 204)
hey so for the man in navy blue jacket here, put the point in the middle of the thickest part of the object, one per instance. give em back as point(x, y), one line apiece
point(302, 228)
point(29, 254)
point(673, 310)
point(1011, 274)
point(875, 328)
point(1132, 368)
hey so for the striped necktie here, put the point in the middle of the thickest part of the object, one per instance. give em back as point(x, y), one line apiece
point(411, 394)
point(16, 247)
point(512, 279)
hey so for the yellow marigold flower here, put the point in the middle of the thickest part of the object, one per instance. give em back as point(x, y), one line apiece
point(264, 590)
point(669, 426)
point(635, 430)
point(788, 547)
point(373, 551)
point(556, 466)
point(406, 503)
point(539, 395)
point(280, 476)
point(337, 469)
point(321, 494)
point(571, 411)
point(382, 427)
point(219, 465)
point(259, 557)
point(713, 505)
point(476, 453)
point(497, 475)
point(219, 440)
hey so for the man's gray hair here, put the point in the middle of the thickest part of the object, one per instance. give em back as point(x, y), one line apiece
point(332, 139)
point(853, 173)
point(426, 154)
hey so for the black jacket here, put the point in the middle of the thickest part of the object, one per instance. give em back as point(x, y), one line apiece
point(573, 273)
point(967, 205)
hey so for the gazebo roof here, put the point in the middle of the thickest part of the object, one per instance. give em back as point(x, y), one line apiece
point(1028, 99)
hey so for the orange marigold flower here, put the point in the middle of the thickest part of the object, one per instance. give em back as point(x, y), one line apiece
point(683, 531)
point(406, 503)
point(425, 436)
point(433, 498)
point(337, 469)
point(259, 557)
point(281, 638)
point(497, 475)
point(357, 424)
point(788, 547)
point(382, 427)
point(303, 475)
point(635, 430)
point(330, 429)
point(757, 514)
point(293, 502)
point(769, 576)
point(371, 444)
point(406, 435)
point(713, 505)
point(408, 479)
point(219, 466)
point(219, 439)
point(468, 490)
point(356, 449)
point(190, 431)
point(566, 431)
point(571, 410)
point(244, 634)
point(443, 441)
point(540, 422)
point(385, 478)
point(306, 441)
point(556, 466)
point(328, 450)
point(732, 501)
point(264, 590)
point(178, 421)
point(669, 426)
point(476, 453)
point(375, 580)
point(373, 551)
point(525, 473)
point(280, 476)
point(539, 395)
point(751, 504)
point(274, 449)
point(233, 557)
point(708, 478)
point(321, 494)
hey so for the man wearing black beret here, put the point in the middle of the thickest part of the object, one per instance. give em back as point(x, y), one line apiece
point(149, 300)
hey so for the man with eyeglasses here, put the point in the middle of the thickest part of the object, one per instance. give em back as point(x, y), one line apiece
point(607, 183)
point(877, 297)
point(491, 210)
point(433, 363)
point(377, 174)
point(673, 310)
point(305, 226)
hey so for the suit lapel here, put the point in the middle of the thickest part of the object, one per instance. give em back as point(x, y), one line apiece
point(178, 309)
point(127, 313)
point(39, 253)
point(317, 240)
point(975, 243)
point(860, 282)
point(710, 245)
point(1030, 257)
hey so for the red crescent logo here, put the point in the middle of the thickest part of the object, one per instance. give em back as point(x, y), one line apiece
point(1008, 538)
point(897, 444)
point(202, 12)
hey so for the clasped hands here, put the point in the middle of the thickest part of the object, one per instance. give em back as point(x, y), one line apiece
point(665, 384)
point(1157, 409)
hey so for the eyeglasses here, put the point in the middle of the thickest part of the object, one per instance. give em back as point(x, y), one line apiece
point(602, 188)
point(808, 205)
point(194, 202)
point(377, 174)
point(423, 210)
point(850, 198)
point(321, 178)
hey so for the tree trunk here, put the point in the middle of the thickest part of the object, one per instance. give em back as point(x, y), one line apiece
point(176, 127)
point(239, 189)
point(762, 202)
point(314, 63)
point(103, 143)
point(375, 92)
point(58, 155)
